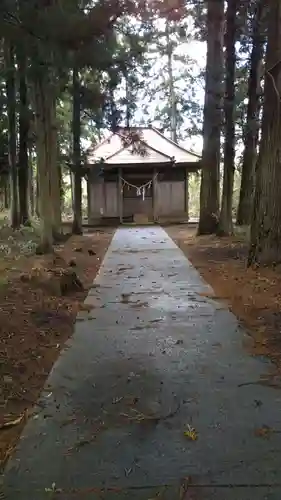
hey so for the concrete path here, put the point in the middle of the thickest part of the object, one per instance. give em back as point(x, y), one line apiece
point(153, 345)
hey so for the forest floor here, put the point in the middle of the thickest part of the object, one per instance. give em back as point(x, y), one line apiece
point(253, 295)
point(39, 300)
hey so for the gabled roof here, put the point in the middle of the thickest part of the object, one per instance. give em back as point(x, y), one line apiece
point(150, 146)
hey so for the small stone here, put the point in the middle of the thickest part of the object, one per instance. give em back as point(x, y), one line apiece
point(258, 403)
point(7, 379)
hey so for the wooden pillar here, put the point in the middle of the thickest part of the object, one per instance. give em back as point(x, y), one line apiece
point(186, 193)
point(104, 198)
point(89, 190)
point(154, 195)
point(120, 195)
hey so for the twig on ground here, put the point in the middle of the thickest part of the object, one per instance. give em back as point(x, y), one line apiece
point(140, 417)
point(265, 383)
point(12, 423)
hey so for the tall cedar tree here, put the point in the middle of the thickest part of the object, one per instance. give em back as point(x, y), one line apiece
point(76, 137)
point(12, 129)
point(209, 192)
point(225, 222)
point(265, 244)
point(244, 212)
point(23, 162)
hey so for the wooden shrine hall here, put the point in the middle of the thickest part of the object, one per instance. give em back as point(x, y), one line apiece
point(138, 175)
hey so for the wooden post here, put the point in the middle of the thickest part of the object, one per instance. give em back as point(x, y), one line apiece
point(186, 193)
point(154, 195)
point(89, 189)
point(120, 195)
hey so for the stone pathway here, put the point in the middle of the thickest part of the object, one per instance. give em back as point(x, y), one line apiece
point(151, 356)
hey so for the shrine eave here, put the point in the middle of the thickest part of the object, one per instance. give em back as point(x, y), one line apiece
point(192, 166)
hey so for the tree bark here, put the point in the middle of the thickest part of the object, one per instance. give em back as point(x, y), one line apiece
point(37, 194)
point(71, 182)
point(6, 194)
point(244, 212)
point(31, 190)
point(54, 170)
point(23, 164)
point(43, 126)
point(265, 244)
point(9, 54)
point(76, 132)
point(209, 190)
point(225, 227)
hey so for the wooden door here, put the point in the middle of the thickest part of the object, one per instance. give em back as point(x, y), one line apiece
point(137, 197)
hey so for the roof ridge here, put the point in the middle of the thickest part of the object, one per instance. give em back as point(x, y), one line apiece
point(174, 143)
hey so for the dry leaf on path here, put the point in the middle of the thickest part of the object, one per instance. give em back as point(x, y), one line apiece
point(264, 431)
point(191, 433)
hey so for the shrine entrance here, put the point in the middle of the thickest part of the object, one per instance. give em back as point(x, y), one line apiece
point(137, 192)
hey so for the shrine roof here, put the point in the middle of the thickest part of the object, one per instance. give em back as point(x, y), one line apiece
point(139, 145)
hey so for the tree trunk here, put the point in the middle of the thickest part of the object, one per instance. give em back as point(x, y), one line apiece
point(76, 131)
point(265, 247)
point(209, 190)
point(23, 165)
point(6, 194)
point(32, 183)
point(71, 182)
point(172, 95)
point(12, 131)
point(43, 127)
point(225, 227)
point(244, 211)
point(54, 170)
point(37, 194)
point(31, 189)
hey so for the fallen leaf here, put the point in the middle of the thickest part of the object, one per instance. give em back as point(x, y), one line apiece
point(191, 433)
point(264, 431)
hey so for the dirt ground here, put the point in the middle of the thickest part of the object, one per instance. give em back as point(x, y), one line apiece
point(254, 295)
point(37, 316)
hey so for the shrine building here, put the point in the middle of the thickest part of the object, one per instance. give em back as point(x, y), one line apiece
point(138, 175)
